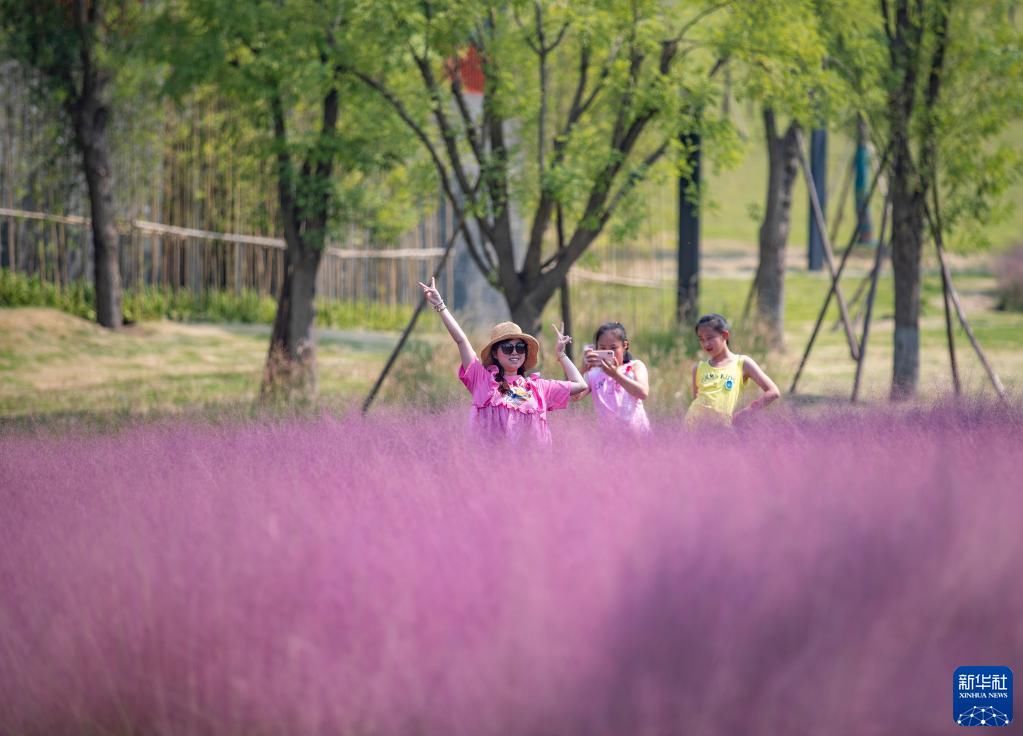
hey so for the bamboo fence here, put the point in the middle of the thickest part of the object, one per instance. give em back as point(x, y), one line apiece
point(155, 255)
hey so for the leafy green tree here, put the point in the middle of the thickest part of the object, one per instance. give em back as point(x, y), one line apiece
point(938, 81)
point(281, 62)
point(637, 76)
point(75, 47)
point(953, 81)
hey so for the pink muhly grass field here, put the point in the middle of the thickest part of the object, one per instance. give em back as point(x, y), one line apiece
point(342, 576)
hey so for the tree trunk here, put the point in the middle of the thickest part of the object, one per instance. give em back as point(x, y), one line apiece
point(527, 312)
point(907, 204)
point(291, 361)
point(527, 301)
point(783, 164)
point(90, 114)
point(911, 181)
point(907, 244)
point(290, 371)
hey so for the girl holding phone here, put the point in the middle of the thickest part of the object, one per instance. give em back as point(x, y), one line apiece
point(619, 383)
point(506, 402)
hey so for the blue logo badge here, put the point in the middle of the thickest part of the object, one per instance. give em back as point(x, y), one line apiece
point(729, 383)
point(982, 696)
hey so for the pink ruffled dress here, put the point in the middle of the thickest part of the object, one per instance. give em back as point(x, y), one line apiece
point(615, 406)
point(520, 414)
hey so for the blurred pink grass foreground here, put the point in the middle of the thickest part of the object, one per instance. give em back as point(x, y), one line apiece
point(343, 576)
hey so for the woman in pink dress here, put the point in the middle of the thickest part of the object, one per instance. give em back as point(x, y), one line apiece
point(618, 382)
point(506, 401)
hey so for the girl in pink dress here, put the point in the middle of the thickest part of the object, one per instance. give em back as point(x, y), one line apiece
point(619, 385)
point(506, 401)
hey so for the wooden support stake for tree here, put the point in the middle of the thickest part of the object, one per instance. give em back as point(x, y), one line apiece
point(840, 210)
point(822, 227)
point(946, 285)
point(753, 287)
point(841, 267)
point(566, 303)
point(871, 294)
point(854, 301)
point(946, 275)
point(946, 298)
point(415, 316)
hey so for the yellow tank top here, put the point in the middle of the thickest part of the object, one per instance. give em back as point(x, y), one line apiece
point(718, 391)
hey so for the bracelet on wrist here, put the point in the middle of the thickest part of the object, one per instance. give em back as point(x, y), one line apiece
point(439, 307)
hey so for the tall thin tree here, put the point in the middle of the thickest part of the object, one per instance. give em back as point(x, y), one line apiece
point(68, 45)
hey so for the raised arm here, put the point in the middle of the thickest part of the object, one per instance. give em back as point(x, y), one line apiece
point(571, 372)
point(434, 299)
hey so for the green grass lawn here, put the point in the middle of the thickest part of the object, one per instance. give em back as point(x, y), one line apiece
point(52, 363)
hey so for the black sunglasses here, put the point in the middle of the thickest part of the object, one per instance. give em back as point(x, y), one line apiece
point(509, 348)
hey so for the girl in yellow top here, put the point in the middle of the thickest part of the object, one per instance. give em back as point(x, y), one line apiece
point(718, 381)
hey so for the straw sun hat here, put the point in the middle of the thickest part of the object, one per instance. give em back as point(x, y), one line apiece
point(510, 331)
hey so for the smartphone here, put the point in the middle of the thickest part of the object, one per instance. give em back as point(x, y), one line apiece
point(608, 355)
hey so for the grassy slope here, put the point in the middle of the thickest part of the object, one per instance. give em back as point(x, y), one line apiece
point(53, 363)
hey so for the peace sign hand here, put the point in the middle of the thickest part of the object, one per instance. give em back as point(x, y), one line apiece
point(430, 292)
point(562, 340)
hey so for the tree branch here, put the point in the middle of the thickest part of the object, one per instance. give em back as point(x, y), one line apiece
point(938, 56)
point(544, 208)
point(605, 71)
point(700, 16)
point(418, 131)
point(622, 143)
point(496, 175)
point(886, 16)
point(625, 106)
point(636, 176)
point(928, 143)
point(470, 127)
point(478, 255)
point(447, 134)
